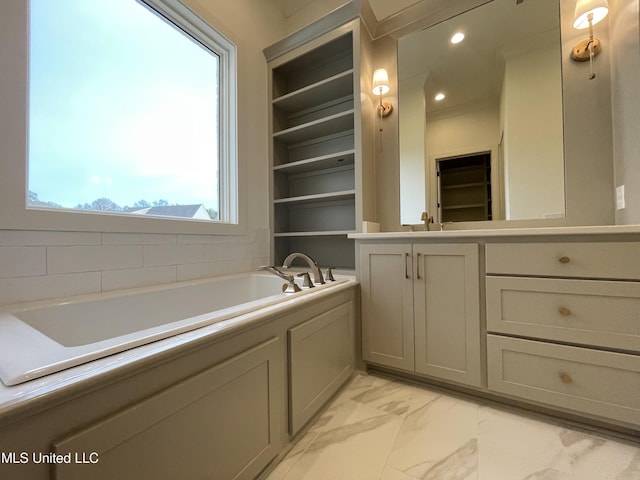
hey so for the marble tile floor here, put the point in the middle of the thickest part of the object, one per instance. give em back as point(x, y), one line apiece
point(382, 429)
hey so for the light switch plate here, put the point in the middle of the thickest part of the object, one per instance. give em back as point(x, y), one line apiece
point(620, 203)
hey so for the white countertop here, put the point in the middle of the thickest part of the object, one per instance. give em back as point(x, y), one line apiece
point(504, 232)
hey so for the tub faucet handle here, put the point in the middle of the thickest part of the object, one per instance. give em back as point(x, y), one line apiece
point(291, 287)
point(306, 282)
point(329, 275)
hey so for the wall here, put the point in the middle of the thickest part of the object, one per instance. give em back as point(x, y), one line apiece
point(311, 13)
point(386, 143)
point(534, 170)
point(47, 264)
point(412, 130)
point(625, 78)
point(587, 135)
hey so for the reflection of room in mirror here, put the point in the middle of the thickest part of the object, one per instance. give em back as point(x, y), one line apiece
point(503, 87)
point(464, 188)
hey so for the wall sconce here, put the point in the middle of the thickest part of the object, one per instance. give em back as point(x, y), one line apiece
point(587, 14)
point(380, 88)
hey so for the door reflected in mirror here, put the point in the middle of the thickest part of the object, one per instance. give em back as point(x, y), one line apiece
point(494, 95)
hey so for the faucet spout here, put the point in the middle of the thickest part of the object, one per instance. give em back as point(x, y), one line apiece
point(427, 219)
point(290, 286)
point(313, 265)
point(275, 271)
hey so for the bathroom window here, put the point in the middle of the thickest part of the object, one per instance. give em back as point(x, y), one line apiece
point(131, 111)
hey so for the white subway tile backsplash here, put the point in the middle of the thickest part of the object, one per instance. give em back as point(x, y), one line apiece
point(213, 269)
point(26, 289)
point(236, 251)
point(23, 238)
point(194, 271)
point(38, 265)
point(22, 261)
point(137, 277)
point(202, 239)
point(138, 239)
point(92, 258)
point(155, 255)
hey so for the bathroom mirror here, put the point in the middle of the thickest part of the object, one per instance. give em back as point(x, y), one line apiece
point(492, 148)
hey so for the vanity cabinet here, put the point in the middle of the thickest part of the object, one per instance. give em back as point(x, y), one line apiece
point(563, 325)
point(317, 142)
point(421, 309)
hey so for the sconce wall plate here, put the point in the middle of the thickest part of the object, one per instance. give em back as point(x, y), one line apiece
point(580, 51)
point(384, 109)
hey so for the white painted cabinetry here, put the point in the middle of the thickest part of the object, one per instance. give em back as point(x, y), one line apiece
point(321, 360)
point(421, 309)
point(563, 324)
point(221, 424)
point(218, 407)
point(318, 148)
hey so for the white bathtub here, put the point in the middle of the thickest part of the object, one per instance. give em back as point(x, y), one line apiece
point(38, 340)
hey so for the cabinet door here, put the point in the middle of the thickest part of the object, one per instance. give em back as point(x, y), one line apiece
point(447, 312)
point(321, 360)
point(387, 305)
point(221, 424)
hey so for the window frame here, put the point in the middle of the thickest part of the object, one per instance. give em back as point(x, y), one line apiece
point(14, 127)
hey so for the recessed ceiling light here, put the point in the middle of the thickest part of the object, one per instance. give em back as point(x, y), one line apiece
point(440, 96)
point(457, 37)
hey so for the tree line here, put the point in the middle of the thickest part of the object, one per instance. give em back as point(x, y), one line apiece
point(104, 204)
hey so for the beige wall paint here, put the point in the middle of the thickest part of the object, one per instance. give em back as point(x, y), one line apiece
point(386, 152)
point(625, 78)
point(534, 170)
point(251, 26)
point(311, 13)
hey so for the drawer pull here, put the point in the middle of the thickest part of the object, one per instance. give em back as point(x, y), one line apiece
point(564, 311)
point(418, 267)
point(406, 265)
point(566, 378)
point(564, 260)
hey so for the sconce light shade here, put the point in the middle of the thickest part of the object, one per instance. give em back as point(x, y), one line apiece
point(380, 82)
point(599, 9)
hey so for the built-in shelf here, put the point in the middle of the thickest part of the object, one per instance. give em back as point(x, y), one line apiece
point(344, 195)
point(321, 233)
point(464, 185)
point(322, 162)
point(460, 207)
point(313, 115)
point(332, 88)
point(323, 127)
point(465, 188)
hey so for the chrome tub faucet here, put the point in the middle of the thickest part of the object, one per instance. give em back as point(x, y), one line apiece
point(291, 286)
point(313, 265)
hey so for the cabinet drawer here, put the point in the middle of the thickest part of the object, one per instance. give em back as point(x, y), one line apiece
point(600, 383)
point(591, 312)
point(587, 260)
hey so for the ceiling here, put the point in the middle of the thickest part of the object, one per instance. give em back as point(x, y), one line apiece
point(472, 71)
point(289, 7)
point(385, 8)
point(381, 8)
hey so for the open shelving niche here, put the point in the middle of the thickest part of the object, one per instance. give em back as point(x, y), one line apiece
point(314, 154)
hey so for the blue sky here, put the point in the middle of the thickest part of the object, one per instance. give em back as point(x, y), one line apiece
point(121, 106)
